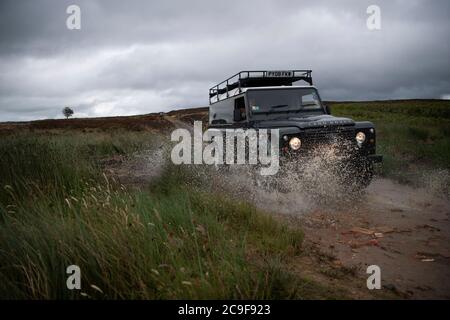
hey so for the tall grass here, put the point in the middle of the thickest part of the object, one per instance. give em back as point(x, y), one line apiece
point(57, 209)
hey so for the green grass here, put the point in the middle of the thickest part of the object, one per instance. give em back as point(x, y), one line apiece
point(170, 240)
point(167, 241)
point(413, 136)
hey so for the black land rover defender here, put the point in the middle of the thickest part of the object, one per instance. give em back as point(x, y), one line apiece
point(269, 100)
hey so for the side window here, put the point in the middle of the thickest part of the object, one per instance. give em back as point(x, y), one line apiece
point(239, 104)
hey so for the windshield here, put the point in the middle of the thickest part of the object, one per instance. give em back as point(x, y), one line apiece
point(287, 100)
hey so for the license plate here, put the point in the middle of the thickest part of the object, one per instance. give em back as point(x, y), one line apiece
point(277, 74)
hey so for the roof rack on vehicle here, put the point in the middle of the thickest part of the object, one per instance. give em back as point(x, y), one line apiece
point(245, 79)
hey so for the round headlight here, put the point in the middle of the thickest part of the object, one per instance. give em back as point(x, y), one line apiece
point(360, 137)
point(295, 143)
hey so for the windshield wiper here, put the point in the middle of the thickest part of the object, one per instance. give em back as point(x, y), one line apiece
point(279, 106)
point(309, 104)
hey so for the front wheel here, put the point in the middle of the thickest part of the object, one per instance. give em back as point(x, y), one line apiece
point(361, 174)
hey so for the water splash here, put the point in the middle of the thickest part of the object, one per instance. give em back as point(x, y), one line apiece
point(323, 178)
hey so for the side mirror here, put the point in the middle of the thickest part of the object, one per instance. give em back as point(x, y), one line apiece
point(327, 109)
point(237, 115)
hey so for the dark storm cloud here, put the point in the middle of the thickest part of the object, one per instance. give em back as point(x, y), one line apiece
point(146, 56)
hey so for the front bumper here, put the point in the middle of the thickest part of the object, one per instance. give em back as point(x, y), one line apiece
point(352, 156)
point(375, 158)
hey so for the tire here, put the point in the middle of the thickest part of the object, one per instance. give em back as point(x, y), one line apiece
point(362, 174)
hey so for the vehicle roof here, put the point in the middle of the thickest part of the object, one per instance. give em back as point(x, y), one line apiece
point(277, 88)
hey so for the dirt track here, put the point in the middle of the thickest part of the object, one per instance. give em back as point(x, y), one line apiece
point(403, 230)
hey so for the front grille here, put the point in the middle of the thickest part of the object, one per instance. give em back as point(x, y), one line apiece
point(314, 137)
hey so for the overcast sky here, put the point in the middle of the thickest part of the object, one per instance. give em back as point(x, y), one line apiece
point(134, 57)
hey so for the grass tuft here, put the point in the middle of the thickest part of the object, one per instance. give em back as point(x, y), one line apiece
point(57, 208)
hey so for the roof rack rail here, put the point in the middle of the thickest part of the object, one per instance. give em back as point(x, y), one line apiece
point(245, 79)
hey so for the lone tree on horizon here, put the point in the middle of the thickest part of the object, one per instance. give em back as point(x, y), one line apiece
point(67, 112)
